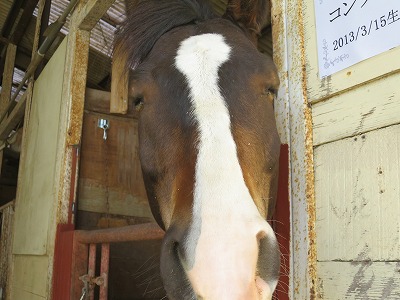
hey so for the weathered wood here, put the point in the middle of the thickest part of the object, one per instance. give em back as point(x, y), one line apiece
point(99, 101)
point(30, 285)
point(6, 29)
point(6, 221)
point(5, 94)
point(375, 105)
point(359, 280)
point(7, 77)
point(14, 118)
point(110, 178)
point(292, 63)
point(23, 21)
point(119, 83)
point(91, 13)
point(36, 191)
point(358, 197)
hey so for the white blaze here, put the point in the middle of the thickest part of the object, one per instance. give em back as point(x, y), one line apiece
point(224, 213)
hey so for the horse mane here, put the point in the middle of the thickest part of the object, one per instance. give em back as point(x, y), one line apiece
point(150, 19)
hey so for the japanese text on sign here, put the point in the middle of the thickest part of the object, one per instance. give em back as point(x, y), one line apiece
point(349, 31)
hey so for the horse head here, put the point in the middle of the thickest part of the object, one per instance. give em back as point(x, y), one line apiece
point(209, 147)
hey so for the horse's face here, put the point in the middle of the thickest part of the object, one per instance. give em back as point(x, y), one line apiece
point(209, 151)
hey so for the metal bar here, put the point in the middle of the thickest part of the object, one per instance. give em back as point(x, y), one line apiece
point(79, 268)
point(44, 24)
point(92, 268)
point(141, 232)
point(104, 268)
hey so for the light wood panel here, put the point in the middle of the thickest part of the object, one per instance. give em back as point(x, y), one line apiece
point(372, 106)
point(30, 280)
point(357, 191)
point(36, 201)
point(359, 280)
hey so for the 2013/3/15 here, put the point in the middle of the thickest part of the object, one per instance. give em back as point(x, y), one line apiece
point(342, 41)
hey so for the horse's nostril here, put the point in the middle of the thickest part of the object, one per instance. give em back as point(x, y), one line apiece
point(260, 235)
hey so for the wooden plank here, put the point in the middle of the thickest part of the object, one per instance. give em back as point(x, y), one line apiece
point(110, 179)
point(359, 280)
point(6, 221)
point(71, 118)
point(373, 106)
point(14, 118)
point(91, 13)
point(8, 72)
point(99, 101)
point(28, 282)
point(23, 22)
point(366, 71)
point(5, 94)
point(36, 197)
point(119, 83)
point(303, 272)
point(358, 197)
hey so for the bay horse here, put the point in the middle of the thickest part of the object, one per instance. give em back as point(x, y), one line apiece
point(209, 147)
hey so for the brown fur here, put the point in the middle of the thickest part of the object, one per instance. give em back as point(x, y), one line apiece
point(168, 133)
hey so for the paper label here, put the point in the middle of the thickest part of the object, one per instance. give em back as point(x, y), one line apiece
point(349, 31)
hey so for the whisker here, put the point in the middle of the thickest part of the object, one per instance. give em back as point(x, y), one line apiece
point(151, 257)
point(280, 284)
point(275, 221)
point(280, 235)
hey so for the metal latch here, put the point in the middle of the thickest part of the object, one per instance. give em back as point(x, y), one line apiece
point(105, 125)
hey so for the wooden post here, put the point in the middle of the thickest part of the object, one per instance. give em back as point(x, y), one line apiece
point(7, 84)
point(119, 82)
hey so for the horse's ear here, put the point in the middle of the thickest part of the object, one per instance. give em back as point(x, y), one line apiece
point(251, 15)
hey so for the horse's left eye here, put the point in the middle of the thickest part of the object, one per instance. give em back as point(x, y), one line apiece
point(269, 92)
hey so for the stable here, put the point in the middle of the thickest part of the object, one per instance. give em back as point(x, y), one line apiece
point(75, 221)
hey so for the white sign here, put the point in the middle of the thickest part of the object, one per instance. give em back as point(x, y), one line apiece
point(349, 31)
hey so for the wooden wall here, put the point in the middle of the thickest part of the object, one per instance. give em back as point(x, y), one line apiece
point(110, 177)
point(356, 139)
point(112, 194)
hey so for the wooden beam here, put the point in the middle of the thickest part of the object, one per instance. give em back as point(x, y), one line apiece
point(7, 77)
point(8, 24)
point(99, 101)
point(23, 21)
point(91, 13)
point(4, 41)
point(13, 119)
point(22, 25)
point(5, 94)
point(119, 83)
point(44, 24)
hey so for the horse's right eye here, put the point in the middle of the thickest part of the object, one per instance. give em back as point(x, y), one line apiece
point(139, 103)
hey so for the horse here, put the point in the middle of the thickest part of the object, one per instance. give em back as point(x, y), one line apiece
point(208, 143)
